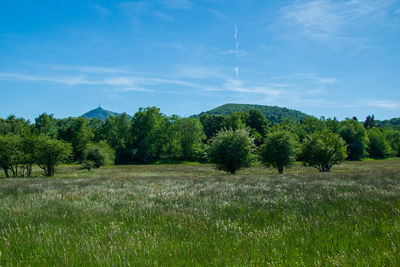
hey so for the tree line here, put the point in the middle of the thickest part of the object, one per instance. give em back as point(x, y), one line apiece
point(231, 142)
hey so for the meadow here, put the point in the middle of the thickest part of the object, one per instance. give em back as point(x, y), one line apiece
point(194, 215)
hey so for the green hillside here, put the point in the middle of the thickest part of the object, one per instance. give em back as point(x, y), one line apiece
point(392, 123)
point(272, 113)
point(99, 113)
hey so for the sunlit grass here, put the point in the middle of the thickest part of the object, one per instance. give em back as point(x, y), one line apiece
point(192, 214)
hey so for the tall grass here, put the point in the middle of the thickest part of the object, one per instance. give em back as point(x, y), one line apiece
point(188, 215)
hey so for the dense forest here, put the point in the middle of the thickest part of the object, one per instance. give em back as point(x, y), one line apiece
point(273, 113)
point(150, 136)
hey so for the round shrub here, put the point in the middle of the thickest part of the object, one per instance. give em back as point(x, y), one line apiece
point(322, 150)
point(231, 150)
point(97, 155)
point(278, 150)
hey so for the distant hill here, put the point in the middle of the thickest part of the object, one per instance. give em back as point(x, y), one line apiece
point(99, 113)
point(392, 123)
point(272, 113)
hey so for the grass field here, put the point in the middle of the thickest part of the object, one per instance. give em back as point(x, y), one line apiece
point(175, 215)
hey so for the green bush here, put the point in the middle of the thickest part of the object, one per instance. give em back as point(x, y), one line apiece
point(322, 150)
point(231, 150)
point(278, 150)
point(97, 155)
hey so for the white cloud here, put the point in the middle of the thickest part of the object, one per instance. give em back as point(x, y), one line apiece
point(163, 16)
point(177, 4)
point(388, 104)
point(102, 11)
point(91, 69)
point(328, 21)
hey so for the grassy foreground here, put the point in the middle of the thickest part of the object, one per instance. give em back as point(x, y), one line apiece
point(194, 215)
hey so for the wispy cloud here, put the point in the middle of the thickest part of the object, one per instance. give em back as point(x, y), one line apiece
point(178, 4)
point(387, 104)
point(102, 11)
point(163, 16)
point(302, 89)
point(93, 69)
point(329, 21)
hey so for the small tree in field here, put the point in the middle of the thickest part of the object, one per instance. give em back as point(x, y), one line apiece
point(97, 155)
point(322, 150)
point(231, 150)
point(279, 150)
point(50, 153)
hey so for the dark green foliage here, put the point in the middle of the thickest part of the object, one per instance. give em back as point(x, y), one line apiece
point(279, 150)
point(81, 136)
point(97, 155)
point(50, 153)
point(369, 122)
point(354, 135)
point(234, 121)
point(333, 125)
point(149, 134)
point(308, 126)
point(99, 113)
point(258, 125)
point(392, 123)
point(117, 132)
point(378, 147)
point(393, 138)
point(14, 125)
point(273, 113)
point(212, 124)
point(47, 124)
point(190, 137)
point(11, 154)
point(231, 150)
point(322, 150)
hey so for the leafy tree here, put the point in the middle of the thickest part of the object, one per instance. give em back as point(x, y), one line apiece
point(393, 138)
point(309, 125)
point(97, 155)
point(231, 150)
point(81, 136)
point(65, 130)
point(14, 125)
point(149, 134)
point(212, 124)
point(190, 136)
point(279, 150)
point(333, 125)
point(369, 122)
point(322, 150)
point(50, 153)
point(28, 147)
point(11, 154)
point(47, 124)
point(378, 147)
point(256, 120)
point(234, 121)
point(117, 132)
point(355, 136)
point(258, 125)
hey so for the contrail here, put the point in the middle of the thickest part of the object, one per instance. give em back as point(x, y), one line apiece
point(237, 51)
point(235, 32)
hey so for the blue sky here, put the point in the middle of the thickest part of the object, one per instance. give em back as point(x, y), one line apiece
point(323, 57)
